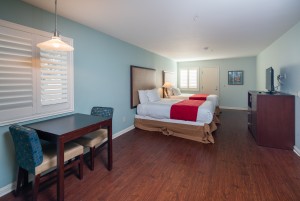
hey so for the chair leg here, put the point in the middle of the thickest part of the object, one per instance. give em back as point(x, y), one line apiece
point(20, 179)
point(25, 182)
point(92, 155)
point(80, 166)
point(36, 185)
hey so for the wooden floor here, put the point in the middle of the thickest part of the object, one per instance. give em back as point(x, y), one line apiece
point(150, 166)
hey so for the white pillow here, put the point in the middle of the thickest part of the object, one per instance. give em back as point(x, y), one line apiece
point(143, 96)
point(153, 95)
point(176, 91)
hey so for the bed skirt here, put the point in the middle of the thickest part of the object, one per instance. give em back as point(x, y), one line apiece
point(216, 119)
point(197, 133)
point(217, 110)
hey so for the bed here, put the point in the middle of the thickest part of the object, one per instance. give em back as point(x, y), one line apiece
point(161, 109)
point(210, 97)
point(200, 130)
point(174, 93)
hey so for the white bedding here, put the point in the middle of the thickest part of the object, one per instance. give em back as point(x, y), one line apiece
point(161, 110)
point(213, 98)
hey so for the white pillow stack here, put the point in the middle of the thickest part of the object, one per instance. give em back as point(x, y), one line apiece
point(146, 96)
point(143, 96)
point(153, 95)
point(176, 91)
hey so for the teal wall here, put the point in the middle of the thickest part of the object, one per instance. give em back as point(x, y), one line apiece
point(101, 68)
point(284, 56)
point(231, 96)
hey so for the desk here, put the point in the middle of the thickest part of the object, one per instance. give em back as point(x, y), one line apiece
point(64, 129)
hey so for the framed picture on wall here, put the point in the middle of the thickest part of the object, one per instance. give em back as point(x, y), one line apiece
point(236, 77)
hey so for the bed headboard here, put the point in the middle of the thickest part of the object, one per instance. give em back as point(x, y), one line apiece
point(170, 77)
point(141, 79)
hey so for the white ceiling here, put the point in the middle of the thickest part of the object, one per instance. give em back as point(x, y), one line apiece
point(186, 29)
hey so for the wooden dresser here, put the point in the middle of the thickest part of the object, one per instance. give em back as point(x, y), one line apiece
point(271, 119)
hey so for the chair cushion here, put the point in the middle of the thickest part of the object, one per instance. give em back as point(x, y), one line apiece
point(93, 139)
point(50, 158)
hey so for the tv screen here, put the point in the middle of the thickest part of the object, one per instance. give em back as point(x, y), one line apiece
point(270, 80)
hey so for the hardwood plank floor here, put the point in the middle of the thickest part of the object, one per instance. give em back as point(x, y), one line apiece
point(150, 166)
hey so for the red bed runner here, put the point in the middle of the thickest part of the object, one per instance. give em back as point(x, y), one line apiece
point(185, 110)
point(198, 97)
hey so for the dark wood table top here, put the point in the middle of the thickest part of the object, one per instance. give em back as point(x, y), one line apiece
point(66, 124)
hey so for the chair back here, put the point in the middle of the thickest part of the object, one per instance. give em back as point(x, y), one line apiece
point(102, 111)
point(28, 148)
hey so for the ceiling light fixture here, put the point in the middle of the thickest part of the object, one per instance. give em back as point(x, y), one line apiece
point(196, 18)
point(55, 43)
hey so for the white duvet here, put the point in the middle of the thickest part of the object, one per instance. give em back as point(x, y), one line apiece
point(212, 97)
point(161, 110)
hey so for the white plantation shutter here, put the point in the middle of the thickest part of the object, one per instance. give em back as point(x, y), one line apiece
point(189, 79)
point(33, 83)
point(54, 77)
point(183, 79)
point(193, 79)
point(16, 74)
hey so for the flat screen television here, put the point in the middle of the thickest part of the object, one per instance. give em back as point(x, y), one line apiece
point(270, 80)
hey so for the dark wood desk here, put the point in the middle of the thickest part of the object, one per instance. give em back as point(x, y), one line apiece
point(64, 129)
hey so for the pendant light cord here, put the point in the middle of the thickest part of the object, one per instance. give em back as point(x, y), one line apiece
point(56, 32)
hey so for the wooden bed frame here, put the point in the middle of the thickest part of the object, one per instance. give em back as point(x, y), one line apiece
point(144, 79)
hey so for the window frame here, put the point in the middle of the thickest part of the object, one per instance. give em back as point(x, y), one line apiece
point(188, 69)
point(39, 110)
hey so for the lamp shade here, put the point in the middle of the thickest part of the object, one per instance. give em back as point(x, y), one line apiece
point(55, 44)
point(167, 85)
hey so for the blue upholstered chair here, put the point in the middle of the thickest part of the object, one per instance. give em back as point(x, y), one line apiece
point(96, 138)
point(36, 158)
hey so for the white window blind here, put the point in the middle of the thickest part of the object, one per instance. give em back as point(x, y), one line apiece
point(189, 79)
point(54, 77)
point(193, 78)
point(183, 79)
point(15, 71)
point(33, 83)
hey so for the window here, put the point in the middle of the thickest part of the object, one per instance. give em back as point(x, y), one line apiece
point(33, 83)
point(188, 79)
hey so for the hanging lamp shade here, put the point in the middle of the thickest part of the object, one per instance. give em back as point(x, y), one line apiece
point(55, 43)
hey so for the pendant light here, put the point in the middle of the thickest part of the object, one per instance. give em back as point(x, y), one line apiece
point(55, 43)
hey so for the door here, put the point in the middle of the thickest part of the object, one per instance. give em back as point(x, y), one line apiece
point(209, 80)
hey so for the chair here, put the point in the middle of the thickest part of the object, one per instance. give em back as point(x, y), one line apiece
point(36, 158)
point(96, 138)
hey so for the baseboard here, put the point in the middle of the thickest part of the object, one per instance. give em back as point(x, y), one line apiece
point(7, 189)
point(10, 187)
point(118, 134)
point(233, 108)
point(297, 150)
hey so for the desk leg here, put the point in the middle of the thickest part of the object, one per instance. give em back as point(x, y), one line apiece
point(109, 147)
point(60, 170)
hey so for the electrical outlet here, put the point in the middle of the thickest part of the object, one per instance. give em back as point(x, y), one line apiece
point(124, 119)
point(284, 75)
